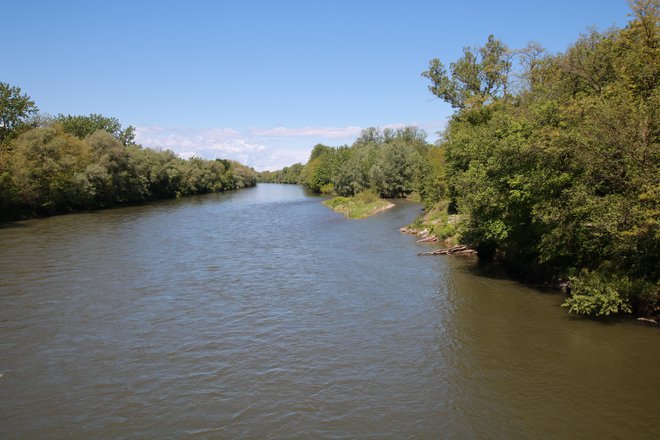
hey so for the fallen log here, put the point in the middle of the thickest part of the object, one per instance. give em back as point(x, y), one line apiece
point(465, 252)
point(436, 252)
point(430, 239)
point(460, 249)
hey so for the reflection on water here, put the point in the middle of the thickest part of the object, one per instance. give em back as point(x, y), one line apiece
point(262, 314)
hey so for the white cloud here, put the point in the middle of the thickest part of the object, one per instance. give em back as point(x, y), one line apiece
point(261, 148)
point(182, 137)
point(186, 154)
point(319, 132)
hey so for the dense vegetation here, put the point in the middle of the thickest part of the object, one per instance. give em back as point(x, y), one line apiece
point(555, 166)
point(285, 175)
point(550, 163)
point(392, 162)
point(51, 165)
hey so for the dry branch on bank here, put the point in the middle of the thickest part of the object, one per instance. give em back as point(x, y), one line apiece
point(456, 250)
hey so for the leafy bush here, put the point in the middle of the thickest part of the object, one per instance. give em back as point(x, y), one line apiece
point(595, 294)
point(555, 163)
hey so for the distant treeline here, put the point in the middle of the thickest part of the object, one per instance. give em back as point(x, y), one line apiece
point(550, 162)
point(52, 165)
point(392, 162)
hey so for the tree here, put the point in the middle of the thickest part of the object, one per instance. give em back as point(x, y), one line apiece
point(476, 78)
point(562, 181)
point(318, 172)
point(352, 176)
point(49, 171)
point(83, 126)
point(369, 135)
point(111, 155)
point(15, 109)
point(530, 58)
point(393, 175)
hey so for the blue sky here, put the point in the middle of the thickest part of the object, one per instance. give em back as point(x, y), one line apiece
point(263, 82)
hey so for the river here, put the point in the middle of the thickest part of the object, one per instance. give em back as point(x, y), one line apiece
point(262, 314)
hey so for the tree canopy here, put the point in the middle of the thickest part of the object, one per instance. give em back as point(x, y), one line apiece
point(15, 111)
point(392, 162)
point(83, 126)
point(476, 78)
point(561, 177)
point(70, 163)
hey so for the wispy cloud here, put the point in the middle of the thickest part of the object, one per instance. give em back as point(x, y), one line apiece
point(211, 143)
point(261, 148)
point(318, 132)
point(184, 137)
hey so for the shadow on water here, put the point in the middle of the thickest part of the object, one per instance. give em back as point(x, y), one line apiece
point(20, 222)
point(608, 321)
point(13, 225)
point(495, 270)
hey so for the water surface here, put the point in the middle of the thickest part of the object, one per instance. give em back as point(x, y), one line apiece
point(262, 314)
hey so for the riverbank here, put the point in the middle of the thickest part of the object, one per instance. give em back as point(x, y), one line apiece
point(10, 218)
point(435, 225)
point(362, 205)
point(593, 297)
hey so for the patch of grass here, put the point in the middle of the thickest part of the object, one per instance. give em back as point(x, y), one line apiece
point(364, 204)
point(439, 223)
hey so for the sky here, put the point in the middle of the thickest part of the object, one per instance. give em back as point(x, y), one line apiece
point(262, 82)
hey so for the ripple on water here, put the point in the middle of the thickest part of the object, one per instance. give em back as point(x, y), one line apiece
point(262, 314)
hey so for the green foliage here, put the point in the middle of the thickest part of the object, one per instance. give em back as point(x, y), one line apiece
point(83, 126)
point(367, 196)
point(596, 295)
point(272, 176)
point(474, 79)
point(73, 163)
point(563, 174)
point(393, 162)
point(290, 174)
point(353, 176)
point(47, 171)
point(393, 175)
point(318, 171)
point(15, 110)
point(446, 227)
point(328, 188)
point(431, 178)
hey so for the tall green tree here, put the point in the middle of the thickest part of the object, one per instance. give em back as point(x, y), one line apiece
point(393, 174)
point(83, 126)
point(476, 78)
point(49, 171)
point(15, 111)
point(562, 181)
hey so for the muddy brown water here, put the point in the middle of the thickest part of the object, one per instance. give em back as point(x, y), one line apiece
point(262, 314)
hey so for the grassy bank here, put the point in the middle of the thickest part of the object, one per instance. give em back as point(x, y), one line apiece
point(362, 205)
point(437, 223)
